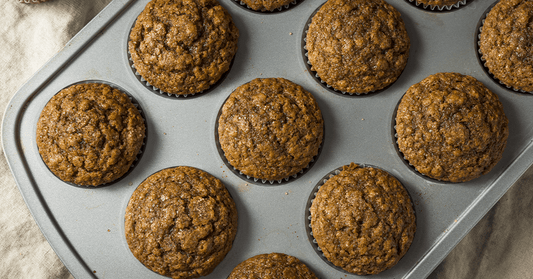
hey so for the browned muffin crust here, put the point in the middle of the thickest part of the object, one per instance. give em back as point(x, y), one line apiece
point(438, 3)
point(270, 128)
point(363, 220)
point(89, 134)
point(506, 43)
point(274, 266)
point(183, 47)
point(451, 127)
point(358, 46)
point(266, 5)
point(181, 222)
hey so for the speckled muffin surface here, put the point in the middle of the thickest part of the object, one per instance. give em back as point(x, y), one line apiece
point(363, 220)
point(89, 134)
point(181, 222)
point(183, 46)
point(266, 5)
point(451, 127)
point(270, 128)
point(506, 43)
point(272, 266)
point(357, 46)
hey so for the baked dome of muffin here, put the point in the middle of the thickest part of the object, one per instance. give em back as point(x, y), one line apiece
point(451, 127)
point(357, 46)
point(506, 43)
point(273, 265)
point(270, 128)
point(183, 47)
point(181, 222)
point(90, 134)
point(266, 5)
point(363, 220)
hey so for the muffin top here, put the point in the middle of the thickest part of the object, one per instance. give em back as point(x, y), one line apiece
point(266, 5)
point(90, 134)
point(183, 46)
point(506, 43)
point(270, 128)
point(357, 46)
point(363, 220)
point(181, 222)
point(451, 127)
point(272, 266)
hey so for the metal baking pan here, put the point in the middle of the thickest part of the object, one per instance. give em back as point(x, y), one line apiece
point(86, 226)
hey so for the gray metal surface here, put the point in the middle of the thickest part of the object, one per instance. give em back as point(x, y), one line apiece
point(85, 226)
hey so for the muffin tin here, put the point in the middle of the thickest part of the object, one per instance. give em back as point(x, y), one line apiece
point(85, 226)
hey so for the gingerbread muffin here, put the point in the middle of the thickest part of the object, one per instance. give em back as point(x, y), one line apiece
point(270, 128)
point(181, 222)
point(357, 46)
point(506, 43)
point(266, 5)
point(90, 134)
point(363, 220)
point(273, 265)
point(183, 47)
point(451, 127)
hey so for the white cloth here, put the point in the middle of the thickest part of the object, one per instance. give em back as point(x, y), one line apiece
point(30, 34)
point(500, 246)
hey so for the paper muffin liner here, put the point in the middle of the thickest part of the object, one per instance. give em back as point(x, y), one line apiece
point(141, 150)
point(400, 153)
point(307, 215)
point(437, 8)
point(482, 61)
point(162, 93)
point(314, 74)
point(259, 181)
point(283, 8)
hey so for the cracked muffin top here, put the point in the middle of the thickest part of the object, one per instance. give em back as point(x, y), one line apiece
point(181, 222)
point(274, 266)
point(357, 46)
point(266, 5)
point(506, 43)
point(363, 220)
point(183, 46)
point(451, 127)
point(90, 134)
point(270, 128)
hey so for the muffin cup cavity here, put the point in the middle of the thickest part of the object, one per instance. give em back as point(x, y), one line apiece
point(307, 214)
point(315, 75)
point(281, 9)
point(141, 150)
point(437, 8)
point(482, 61)
point(259, 181)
